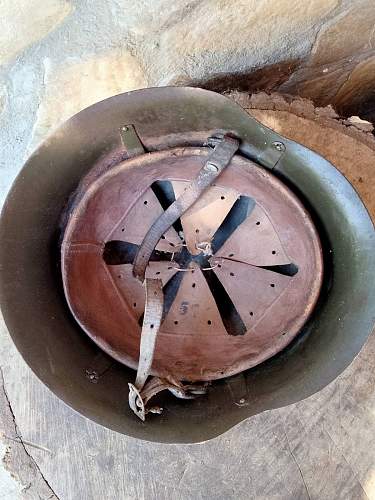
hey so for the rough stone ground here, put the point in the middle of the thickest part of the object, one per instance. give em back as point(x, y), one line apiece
point(59, 56)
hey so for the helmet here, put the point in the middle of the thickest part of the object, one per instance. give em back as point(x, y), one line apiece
point(194, 245)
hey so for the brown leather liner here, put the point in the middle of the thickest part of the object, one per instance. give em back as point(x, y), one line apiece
point(104, 307)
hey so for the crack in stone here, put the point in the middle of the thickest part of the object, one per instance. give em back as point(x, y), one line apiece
point(33, 466)
point(296, 462)
point(347, 463)
point(29, 443)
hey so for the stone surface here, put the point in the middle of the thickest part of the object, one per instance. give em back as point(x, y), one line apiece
point(2, 96)
point(76, 85)
point(193, 40)
point(239, 45)
point(9, 487)
point(359, 88)
point(26, 21)
point(351, 33)
point(304, 47)
point(265, 78)
point(17, 459)
point(360, 124)
point(318, 83)
point(341, 44)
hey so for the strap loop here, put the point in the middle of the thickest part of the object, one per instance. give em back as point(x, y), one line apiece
point(140, 392)
point(215, 164)
point(151, 324)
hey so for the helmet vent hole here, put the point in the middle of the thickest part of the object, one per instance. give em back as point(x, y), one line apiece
point(145, 202)
point(209, 322)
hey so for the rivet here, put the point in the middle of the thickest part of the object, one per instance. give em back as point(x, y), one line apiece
point(279, 146)
point(211, 167)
